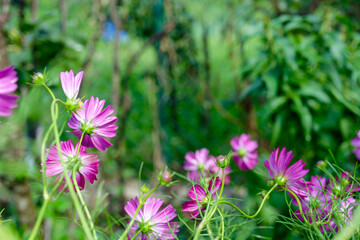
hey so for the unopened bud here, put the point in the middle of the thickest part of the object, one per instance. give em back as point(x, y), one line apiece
point(321, 164)
point(270, 183)
point(222, 161)
point(144, 188)
point(165, 178)
point(38, 78)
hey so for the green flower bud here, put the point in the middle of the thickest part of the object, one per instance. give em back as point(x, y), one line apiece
point(39, 78)
point(144, 188)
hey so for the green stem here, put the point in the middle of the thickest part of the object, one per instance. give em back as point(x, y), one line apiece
point(222, 224)
point(141, 203)
point(137, 233)
point(39, 219)
point(48, 89)
point(54, 112)
point(299, 204)
point(209, 215)
point(80, 142)
point(209, 231)
point(83, 204)
point(259, 209)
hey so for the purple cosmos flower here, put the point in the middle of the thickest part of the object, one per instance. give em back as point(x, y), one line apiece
point(8, 85)
point(199, 163)
point(200, 198)
point(356, 143)
point(290, 177)
point(152, 223)
point(95, 122)
point(317, 204)
point(244, 152)
point(345, 211)
point(87, 164)
point(71, 84)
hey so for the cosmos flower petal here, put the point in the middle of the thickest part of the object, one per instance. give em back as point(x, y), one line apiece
point(88, 163)
point(8, 85)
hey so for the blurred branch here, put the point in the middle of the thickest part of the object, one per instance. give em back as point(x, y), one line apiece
point(63, 15)
point(3, 45)
point(155, 134)
point(116, 75)
point(125, 102)
point(4, 12)
point(34, 9)
point(207, 78)
point(99, 18)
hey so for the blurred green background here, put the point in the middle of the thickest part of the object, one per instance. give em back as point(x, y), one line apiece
point(181, 75)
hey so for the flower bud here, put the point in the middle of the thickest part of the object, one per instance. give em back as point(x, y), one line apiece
point(144, 188)
point(38, 78)
point(222, 161)
point(270, 183)
point(321, 164)
point(165, 178)
point(73, 105)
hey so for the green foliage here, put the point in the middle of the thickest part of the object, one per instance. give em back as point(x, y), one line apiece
point(286, 72)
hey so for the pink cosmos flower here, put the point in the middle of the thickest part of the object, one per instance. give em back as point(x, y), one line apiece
point(154, 224)
point(71, 84)
point(200, 198)
point(283, 175)
point(8, 85)
point(345, 211)
point(356, 143)
point(245, 154)
point(317, 204)
point(95, 122)
point(199, 163)
point(88, 164)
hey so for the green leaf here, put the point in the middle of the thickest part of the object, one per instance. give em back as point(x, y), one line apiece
point(304, 114)
point(272, 106)
point(315, 90)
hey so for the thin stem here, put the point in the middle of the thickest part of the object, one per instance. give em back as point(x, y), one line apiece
point(80, 142)
point(209, 231)
point(48, 89)
point(299, 204)
point(222, 224)
point(43, 159)
point(259, 209)
point(137, 233)
point(209, 215)
point(141, 203)
point(54, 112)
point(83, 204)
point(39, 219)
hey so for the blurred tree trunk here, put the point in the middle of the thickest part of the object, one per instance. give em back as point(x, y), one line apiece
point(98, 20)
point(155, 133)
point(34, 10)
point(63, 15)
point(116, 70)
point(207, 79)
point(4, 60)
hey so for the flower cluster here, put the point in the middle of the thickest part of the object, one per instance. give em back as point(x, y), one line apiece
point(319, 198)
point(92, 124)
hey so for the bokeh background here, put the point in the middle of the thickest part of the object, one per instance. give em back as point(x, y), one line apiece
point(181, 75)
